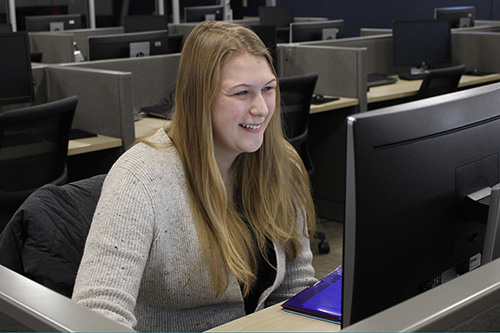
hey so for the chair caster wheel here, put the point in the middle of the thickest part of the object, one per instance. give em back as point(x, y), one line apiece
point(323, 247)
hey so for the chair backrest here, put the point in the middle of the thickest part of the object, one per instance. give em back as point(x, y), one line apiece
point(441, 81)
point(296, 95)
point(45, 238)
point(280, 16)
point(34, 148)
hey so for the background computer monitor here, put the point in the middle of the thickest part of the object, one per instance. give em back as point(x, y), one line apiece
point(409, 170)
point(5, 27)
point(419, 43)
point(267, 34)
point(140, 23)
point(323, 30)
point(202, 13)
point(128, 45)
point(459, 17)
point(53, 22)
point(16, 78)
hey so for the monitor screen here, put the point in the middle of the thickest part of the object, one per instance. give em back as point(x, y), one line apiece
point(418, 43)
point(202, 13)
point(460, 17)
point(126, 45)
point(268, 35)
point(53, 22)
point(309, 31)
point(139, 23)
point(16, 78)
point(411, 171)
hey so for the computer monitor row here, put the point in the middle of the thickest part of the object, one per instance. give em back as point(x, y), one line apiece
point(53, 22)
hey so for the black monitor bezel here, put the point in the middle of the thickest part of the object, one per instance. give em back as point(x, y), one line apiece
point(25, 59)
point(399, 40)
point(143, 23)
point(192, 13)
point(314, 27)
point(39, 23)
point(452, 14)
point(126, 38)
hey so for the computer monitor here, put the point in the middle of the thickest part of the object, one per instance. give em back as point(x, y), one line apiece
point(53, 22)
point(203, 13)
point(460, 17)
point(16, 78)
point(268, 35)
point(140, 23)
point(5, 27)
point(281, 16)
point(412, 171)
point(126, 45)
point(310, 31)
point(419, 43)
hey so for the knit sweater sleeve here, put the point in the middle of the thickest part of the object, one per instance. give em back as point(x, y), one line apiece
point(299, 273)
point(117, 247)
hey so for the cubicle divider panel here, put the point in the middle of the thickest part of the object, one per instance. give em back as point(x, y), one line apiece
point(153, 77)
point(342, 71)
point(104, 99)
point(477, 50)
point(379, 51)
point(55, 47)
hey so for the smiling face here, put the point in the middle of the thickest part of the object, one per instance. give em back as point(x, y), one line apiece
point(242, 106)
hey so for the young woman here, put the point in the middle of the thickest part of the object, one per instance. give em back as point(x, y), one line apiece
point(208, 219)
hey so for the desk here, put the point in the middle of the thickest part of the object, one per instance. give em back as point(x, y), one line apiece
point(404, 88)
point(274, 319)
point(92, 144)
point(342, 102)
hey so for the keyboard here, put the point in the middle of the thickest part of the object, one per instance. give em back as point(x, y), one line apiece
point(163, 111)
point(411, 77)
point(376, 79)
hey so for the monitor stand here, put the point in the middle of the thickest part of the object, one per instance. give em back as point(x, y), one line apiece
point(416, 73)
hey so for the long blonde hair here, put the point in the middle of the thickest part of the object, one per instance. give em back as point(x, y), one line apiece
point(272, 182)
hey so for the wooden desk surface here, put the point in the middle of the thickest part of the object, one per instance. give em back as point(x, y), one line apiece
point(342, 102)
point(96, 143)
point(404, 88)
point(274, 319)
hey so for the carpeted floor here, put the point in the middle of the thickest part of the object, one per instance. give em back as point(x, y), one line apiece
point(325, 263)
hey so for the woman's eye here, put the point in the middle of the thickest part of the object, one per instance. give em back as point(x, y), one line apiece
point(267, 88)
point(241, 93)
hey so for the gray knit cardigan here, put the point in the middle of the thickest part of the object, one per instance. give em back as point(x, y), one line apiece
point(142, 264)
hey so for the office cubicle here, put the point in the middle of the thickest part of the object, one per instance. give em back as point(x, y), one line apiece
point(153, 78)
point(57, 47)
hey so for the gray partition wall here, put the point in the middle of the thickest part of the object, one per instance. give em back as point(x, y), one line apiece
point(477, 49)
point(105, 99)
point(153, 77)
point(57, 47)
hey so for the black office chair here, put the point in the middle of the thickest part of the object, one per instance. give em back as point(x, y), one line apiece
point(33, 151)
point(296, 95)
point(281, 17)
point(45, 238)
point(440, 81)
